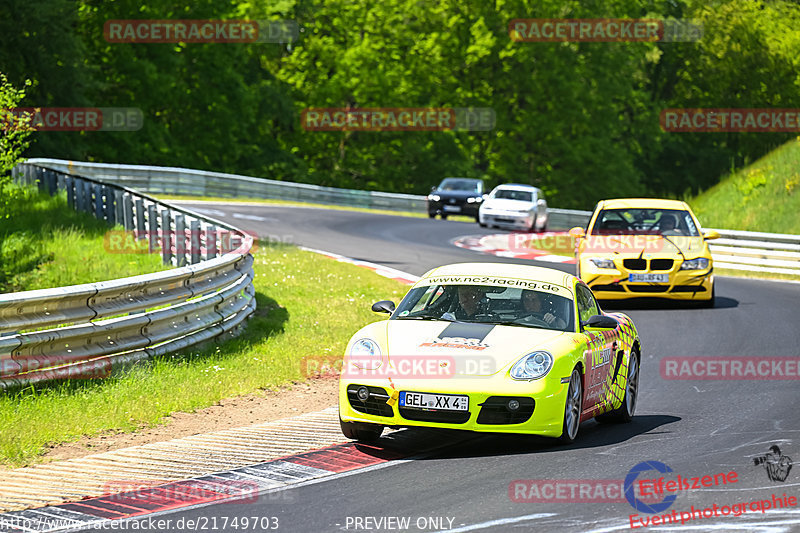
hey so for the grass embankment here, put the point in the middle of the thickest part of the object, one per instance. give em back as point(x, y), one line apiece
point(763, 196)
point(46, 244)
point(308, 306)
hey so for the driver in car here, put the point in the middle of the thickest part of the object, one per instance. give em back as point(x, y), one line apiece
point(537, 307)
point(667, 226)
point(469, 299)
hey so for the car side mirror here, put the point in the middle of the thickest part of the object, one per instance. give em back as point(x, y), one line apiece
point(601, 322)
point(577, 232)
point(384, 306)
point(541, 202)
point(711, 234)
point(433, 188)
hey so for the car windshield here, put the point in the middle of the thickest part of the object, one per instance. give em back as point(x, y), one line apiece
point(649, 221)
point(460, 185)
point(488, 304)
point(511, 194)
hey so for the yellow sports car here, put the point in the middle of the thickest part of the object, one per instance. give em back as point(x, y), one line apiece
point(491, 347)
point(635, 247)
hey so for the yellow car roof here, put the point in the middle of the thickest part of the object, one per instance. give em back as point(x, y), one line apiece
point(504, 270)
point(643, 203)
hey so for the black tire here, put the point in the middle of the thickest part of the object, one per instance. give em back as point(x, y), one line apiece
point(431, 215)
point(481, 224)
point(444, 217)
point(624, 413)
point(361, 431)
point(477, 219)
point(572, 409)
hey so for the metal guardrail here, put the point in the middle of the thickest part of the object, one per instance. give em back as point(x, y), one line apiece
point(739, 250)
point(182, 181)
point(91, 330)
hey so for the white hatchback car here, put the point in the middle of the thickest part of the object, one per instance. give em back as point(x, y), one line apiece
point(514, 206)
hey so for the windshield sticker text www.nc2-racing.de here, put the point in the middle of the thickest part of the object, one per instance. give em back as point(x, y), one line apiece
point(491, 280)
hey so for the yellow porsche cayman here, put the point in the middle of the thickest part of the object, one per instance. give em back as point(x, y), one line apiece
point(491, 347)
point(636, 247)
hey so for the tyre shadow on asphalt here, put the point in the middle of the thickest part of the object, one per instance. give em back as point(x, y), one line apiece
point(454, 444)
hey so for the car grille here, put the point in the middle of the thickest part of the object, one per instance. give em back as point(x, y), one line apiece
point(635, 264)
point(494, 410)
point(688, 288)
point(648, 288)
point(661, 264)
point(375, 404)
point(445, 417)
point(609, 288)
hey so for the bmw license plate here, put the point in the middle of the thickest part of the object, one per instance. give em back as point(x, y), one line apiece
point(648, 278)
point(442, 402)
point(452, 208)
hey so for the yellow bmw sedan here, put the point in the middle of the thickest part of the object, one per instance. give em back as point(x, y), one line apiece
point(635, 247)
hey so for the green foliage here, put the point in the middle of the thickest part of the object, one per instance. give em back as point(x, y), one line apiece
point(580, 120)
point(14, 134)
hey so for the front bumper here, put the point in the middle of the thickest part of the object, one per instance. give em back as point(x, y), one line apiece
point(507, 220)
point(614, 284)
point(544, 398)
point(469, 209)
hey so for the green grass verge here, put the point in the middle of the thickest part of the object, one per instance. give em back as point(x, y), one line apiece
point(308, 306)
point(764, 196)
point(46, 244)
point(268, 201)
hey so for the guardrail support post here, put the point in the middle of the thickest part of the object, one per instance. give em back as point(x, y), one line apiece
point(118, 214)
point(152, 226)
point(69, 183)
point(108, 204)
point(39, 178)
point(87, 196)
point(127, 211)
point(141, 229)
point(98, 201)
point(180, 240)
point(166, 236)
point(59, 181)
point(194, 242)
point(211, 242)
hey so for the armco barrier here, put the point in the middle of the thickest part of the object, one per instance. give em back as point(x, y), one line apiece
point(182, 181)
point(739, 250)
point(89, 330)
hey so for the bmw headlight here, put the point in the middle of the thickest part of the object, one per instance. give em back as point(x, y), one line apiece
point(701, 263)
point(532, 366)
point(603, 263)
point(473, 200)
point(365, 353)
point(434, 197)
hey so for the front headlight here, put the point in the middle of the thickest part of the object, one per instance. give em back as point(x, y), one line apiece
point(434, 197)
point(532, 366)
point(366, 354)
point(603, 263)
point(473, 200)
point(701, 263)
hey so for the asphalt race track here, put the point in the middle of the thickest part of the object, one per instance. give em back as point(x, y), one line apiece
point(696, 427)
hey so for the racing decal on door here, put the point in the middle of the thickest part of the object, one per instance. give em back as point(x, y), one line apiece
point(612, 390)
